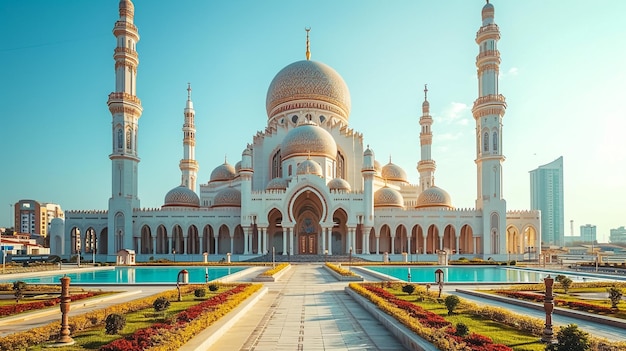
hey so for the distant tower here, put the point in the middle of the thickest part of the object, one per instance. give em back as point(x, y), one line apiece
point(546, 194)
point(188, 165)
point(488, 112)
point(426, 166)
point(125, 109)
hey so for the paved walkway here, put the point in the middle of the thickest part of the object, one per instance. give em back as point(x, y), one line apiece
point(307, 309)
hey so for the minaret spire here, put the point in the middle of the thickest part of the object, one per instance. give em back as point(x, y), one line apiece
point(308, 45)
point(426, 166)
point(188, 165)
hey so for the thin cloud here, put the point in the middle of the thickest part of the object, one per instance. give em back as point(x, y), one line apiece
point(513, 71)
point(454, 113)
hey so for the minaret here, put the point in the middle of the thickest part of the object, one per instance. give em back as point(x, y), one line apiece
point(125, 109)
point(426, 166)
point(188, 165)
point(488, 112)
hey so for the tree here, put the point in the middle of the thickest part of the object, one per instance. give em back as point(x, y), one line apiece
point(409, 288)
point(114, 323)
point(461, 329)
point(18, 290)
point(451, 302)
point(566, 283)
point(615, 295)
point(570, 338)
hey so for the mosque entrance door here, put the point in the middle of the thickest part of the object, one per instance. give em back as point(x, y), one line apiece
point(307, 237)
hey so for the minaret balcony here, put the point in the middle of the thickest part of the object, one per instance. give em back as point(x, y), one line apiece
point(490, 31)
point(488, 55)
point(490, 99)
point(123, 97)
point(121, 52)
point(123, 25)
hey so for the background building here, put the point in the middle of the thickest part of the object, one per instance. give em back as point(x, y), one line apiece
point(33, 217)
point(618, 235)
point(588, 233)
point(546, 195)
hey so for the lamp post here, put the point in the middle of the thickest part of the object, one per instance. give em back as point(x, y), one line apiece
point(439, 277)
point(206, 275)
point(548, 305)
point(273, 256)
point(325, 256)
point(174, 253)
point(350, 258)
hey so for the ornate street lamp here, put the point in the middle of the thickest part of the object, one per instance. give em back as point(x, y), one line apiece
point(439, 277)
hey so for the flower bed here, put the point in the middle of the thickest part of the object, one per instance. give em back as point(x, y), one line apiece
point(10, 310)
point(342, 274)
point(426, 324)
point(40, 335)
point(273, 274)
point(185, 325)
point(536, 297)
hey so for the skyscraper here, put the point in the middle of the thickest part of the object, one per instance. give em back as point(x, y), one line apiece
point(546, 194)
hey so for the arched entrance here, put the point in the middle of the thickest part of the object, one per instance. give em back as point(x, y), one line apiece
point(307, 213)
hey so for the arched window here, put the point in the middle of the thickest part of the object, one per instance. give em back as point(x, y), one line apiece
point(120, 139)
point(128, 139)
point(486, 142)
point(340, 166)
point(276, 165)
point(495, 141)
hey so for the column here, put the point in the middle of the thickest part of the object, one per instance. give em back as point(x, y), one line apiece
point(216, 243)
point(284, 241)
point(330, 240)
point(138, 246)
point(263, 233)
point(185, 247)
point(154, 245)
point(246, 236)
point(393, 244)
point(440, 242)
point(377, 244)
point(409, 245)
point(424, 243)
point(259, 249)
point(290, 240)
point(232, 244)
point(457, 244)
point(323, 240)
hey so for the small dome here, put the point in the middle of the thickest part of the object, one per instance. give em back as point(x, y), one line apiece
point(368, 152)
point(310, 167)
point(247, 152)
point(308, 139)
point(229, 197)
point(388, 197)
point(488, 13)
point(237, 167)
point(223, 172)
point(393, 172)
point(181, 196)
point(308, 84)
point(339, 184)
point(434, 197)
point(277, 184)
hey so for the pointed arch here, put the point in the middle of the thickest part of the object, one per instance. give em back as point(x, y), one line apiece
point(90, 240)
point(340, 243)
point(238, 240)
point(193, 240)
point(162, 244)
point(102, 245)
point(432, 239)
point(208, 243)
point(178, 242)
point(449, 238)
point(146, 240)
point(401, 239)
point(417, 239)
point(495, 234)
point(466, 240)
point(75, 243)
point(223, 240)
point(385, 239)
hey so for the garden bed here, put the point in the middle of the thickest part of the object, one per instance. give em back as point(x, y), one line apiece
point(273, 274)
point(342, 274)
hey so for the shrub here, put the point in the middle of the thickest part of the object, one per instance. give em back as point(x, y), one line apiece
point(461, 329)
point(615, 295)
point(18, 290)
point(559, 277)
point(214, 287)
point(409, 288)
point(161, 304)
point(427, 288)
point(570, 338)
point(114, 323)
point(451, 302)
point(463, 259)
point(512, 263)
point(200, 292)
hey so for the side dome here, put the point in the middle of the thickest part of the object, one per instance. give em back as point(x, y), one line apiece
point(308, 84)
point(393, 172)
point(237, 167)
point(308, 139)
point(181, 196)
point(388, 197)
point(229, 197)
point(434, 197)
point(277, 183)
point(223, 172)
point(310, 167)
point(377, 167)
point(339, 184)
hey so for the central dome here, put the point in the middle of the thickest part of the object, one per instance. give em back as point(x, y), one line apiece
point(308, 84)
point(308, 139)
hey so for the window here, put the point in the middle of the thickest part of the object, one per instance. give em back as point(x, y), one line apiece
point(486, 142)
point(495, 141)
point(276, 165)
point(294, 119)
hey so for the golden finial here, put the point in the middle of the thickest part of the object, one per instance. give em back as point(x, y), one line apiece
point(425, 91)
point(308, 46)
point(189, 91)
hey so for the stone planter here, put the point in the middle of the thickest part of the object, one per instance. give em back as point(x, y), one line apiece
point(271, 278)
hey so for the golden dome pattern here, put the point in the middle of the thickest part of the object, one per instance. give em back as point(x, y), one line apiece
point(181, 196)
point(310, 167)
point(223, 172)
point(434, 197)
point(308, 84)
point(308, 140)
point(339, 184)
point(277, 183)
point(229, 197)
point(393, 172)
point(388, 197)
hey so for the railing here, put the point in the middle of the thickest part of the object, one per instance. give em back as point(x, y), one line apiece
point(488, 28)
point(124, 25)
point(488, 53)
point(124, 96)
point(490, 98)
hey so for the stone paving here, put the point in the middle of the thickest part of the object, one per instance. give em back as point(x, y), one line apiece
point(307, 310)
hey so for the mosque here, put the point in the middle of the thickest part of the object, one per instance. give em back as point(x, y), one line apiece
point(307, 184)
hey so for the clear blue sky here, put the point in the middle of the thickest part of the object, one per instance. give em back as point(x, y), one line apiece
point(562, 73)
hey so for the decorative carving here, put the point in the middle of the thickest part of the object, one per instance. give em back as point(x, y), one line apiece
point(309, 139)
point(388, 197)
point(182, 196)
point(229, 197)
point(223, 172)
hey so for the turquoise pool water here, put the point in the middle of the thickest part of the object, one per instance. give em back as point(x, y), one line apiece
point(471, 274)
point(133, 275)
